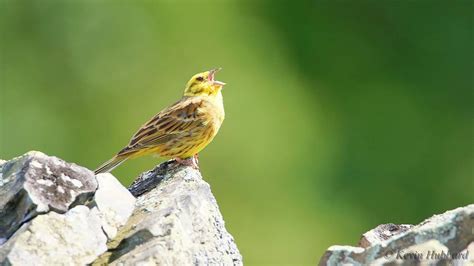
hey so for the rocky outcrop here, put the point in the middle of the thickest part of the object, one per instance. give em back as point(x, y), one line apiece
point(176, 221)
point(445, 239)
point(57, 213)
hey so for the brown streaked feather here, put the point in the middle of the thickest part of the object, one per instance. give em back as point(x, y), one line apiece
point(110, 165)
point(173, 123)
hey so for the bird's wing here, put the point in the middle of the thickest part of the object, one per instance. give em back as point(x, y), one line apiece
point(171, 123)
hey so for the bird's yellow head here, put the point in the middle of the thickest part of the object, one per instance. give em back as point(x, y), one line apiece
point(203, 84)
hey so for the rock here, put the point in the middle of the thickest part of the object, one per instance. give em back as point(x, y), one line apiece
point(58, 213)
point(73, 238)
point(381, 233)
point(421, 254)
point(342, 255)
point(176, 221)
point(469, 260)
point(148, 181)
point(35, 183)
point(114, 202)
point(63, 219)
point(444, 238)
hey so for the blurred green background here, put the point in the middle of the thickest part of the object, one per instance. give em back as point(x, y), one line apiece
point(340, 115)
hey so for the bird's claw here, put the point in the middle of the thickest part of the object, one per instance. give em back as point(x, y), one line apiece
point(191, 161)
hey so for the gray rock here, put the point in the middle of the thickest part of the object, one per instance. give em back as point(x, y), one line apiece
point(420, 254)
point(450, 232)
point(176, 221)
point(469, 252)
point(73, 238)
point(342, 255)
point(36, 183)
point(381, 233)
point(114, 202)
point(57, 213)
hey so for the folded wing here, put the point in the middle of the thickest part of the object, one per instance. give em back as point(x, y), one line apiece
point(173, 123)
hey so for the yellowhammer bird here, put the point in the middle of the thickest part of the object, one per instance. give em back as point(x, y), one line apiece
point(181, 130)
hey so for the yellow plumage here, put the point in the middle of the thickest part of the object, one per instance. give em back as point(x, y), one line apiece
point(181, 130)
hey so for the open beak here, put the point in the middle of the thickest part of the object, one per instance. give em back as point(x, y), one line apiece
point(211, 77)
point(218, 83)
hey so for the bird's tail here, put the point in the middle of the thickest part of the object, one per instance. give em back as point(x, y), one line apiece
point(110, 164)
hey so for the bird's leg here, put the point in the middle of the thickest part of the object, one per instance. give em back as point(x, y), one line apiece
point(191, 161)
point(186, 162)
point(196, 159)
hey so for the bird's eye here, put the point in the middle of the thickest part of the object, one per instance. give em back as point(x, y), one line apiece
point(200, 78)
